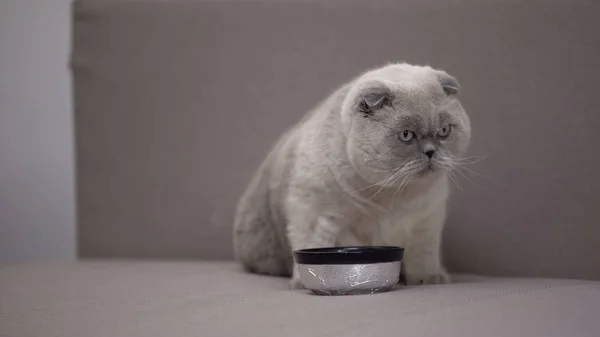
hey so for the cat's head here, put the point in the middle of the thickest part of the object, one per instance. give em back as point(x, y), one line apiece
point(405, 122)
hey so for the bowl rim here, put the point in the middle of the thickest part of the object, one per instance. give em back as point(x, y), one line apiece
point(349, 255)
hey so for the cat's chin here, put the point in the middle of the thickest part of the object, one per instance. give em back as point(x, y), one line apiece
point(429, 171)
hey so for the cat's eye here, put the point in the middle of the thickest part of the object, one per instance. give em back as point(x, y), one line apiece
point(364, 108)
point(406, 136)
point(444, 131)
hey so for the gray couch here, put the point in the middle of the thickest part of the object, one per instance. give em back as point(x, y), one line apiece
point(177, 102)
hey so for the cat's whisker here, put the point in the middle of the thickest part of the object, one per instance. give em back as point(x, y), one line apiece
point(383, 181)
point(390, 180)
point(399, 173)
point(468, 160)
point(402, 187)
point(451, 176)
point(373, 185)
point(464, 167)
point(456, 165)
point(458, 170)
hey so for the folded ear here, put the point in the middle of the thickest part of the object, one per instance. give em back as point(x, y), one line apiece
point(374, 97)
point(448, 83)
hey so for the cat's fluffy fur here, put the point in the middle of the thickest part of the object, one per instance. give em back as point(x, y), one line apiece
point(359, 170)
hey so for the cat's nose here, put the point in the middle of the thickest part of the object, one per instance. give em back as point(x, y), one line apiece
point(428, 149)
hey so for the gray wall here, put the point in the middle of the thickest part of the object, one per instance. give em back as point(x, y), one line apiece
point(37, 217)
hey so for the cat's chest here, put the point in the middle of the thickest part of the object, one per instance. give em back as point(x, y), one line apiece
point(382, 228)
point(394, 225)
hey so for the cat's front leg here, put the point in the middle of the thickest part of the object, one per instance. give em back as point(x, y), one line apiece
point(422, 257)
point(320, 232)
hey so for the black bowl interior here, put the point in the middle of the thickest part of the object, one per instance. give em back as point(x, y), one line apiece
point(349, 255)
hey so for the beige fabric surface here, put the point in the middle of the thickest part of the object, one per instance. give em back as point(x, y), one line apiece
point(176, 299)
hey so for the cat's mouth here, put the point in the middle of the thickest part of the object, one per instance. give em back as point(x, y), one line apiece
point(428, 168)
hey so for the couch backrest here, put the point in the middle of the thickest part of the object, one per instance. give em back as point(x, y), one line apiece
point(177, 102)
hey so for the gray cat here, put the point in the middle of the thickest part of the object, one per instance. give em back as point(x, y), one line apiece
point(368, 166)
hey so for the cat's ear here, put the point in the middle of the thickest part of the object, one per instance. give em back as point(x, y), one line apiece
point(448, 83)
point(373, 98)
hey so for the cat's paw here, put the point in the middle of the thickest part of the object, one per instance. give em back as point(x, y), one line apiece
point(435, 278)
point(295, 284)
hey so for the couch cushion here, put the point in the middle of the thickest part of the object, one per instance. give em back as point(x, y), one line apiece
point(175, 299)
point(166, 144)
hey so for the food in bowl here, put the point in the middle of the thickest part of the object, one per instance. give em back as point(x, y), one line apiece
point(349, 270)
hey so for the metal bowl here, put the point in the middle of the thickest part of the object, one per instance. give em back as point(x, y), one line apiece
point(349, 270)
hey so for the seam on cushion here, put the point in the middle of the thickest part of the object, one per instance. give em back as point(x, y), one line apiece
point(462, 302)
